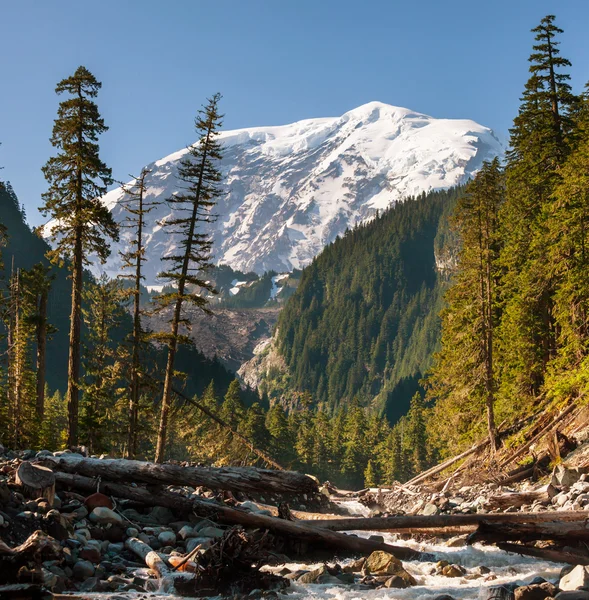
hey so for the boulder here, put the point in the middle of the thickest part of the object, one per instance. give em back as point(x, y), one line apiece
point(383, 563)
point(430, 509)
point(167, 538)
point(572, 595)
point(453, 571)
point(83, 570)
point(536, 592)
point(575, 579)
point(161, 515)
point(211, 532)
point(95, 500)
point(565, 477)
point(102, 515)
point(313, 576)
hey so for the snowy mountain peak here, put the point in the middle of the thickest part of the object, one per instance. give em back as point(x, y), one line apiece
point(291, 189)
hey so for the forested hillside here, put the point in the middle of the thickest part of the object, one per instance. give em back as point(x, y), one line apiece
point(363, 322)
point(22, 252)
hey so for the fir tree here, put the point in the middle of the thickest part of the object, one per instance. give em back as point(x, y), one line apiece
point(77, 178)
point(540, 140)
point(103, 366)
point(463, 378)
point(193, 209)
point(133, 258)
point(37, 283)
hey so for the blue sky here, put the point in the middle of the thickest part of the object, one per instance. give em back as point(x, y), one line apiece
point(274, 61)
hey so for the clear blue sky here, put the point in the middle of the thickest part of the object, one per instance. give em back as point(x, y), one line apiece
point(274, 61)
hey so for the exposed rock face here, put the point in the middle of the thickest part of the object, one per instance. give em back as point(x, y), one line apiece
point(229, 334)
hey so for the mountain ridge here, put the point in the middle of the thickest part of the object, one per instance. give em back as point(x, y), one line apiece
point(292, 189)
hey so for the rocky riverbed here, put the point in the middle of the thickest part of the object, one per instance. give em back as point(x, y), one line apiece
point(90, 546)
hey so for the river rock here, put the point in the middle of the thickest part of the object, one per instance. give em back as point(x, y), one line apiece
point(95, 500)
point(452, 571)
point(167, 538)
point(499, 592)
point(430, 509)
point(102, 515)
point(565, 477)
point(575, 579)
point(396, 582)
point(211, 532)
point(383, 563)
point(161, 515)
point(572, 595)
point(536, 592)
point(83, 569)
point(312, 576)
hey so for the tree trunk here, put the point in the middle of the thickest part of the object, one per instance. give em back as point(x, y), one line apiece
point(41, 355)
point(549, 555)
point(232, 516)
point(530, 532)
point(73, 371)
point(36, 481)
point(434, 521)
point(518, 499)
point(246, 479)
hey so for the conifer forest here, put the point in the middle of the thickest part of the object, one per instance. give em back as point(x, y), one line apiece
point(343, 358)
point(414, 334)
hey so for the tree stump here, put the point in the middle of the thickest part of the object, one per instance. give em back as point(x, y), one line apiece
point(36, 481)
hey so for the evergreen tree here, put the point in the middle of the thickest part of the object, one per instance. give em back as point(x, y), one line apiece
point(539, 143)
point(77, 178)
point(370, 480)
point(37, 283)
point(101, 421)
point(133, 258)
point(193, 208)
point(463, 378)
point(416, 434)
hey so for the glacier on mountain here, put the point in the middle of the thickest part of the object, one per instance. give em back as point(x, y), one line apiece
point(290, 190)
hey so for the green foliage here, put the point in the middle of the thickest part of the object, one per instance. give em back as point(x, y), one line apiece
point(77, 177)
point(363, 321)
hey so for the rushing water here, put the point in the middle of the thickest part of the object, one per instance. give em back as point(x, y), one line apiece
point(505, 568)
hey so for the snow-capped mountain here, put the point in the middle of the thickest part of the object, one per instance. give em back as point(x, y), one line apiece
point(290, 190)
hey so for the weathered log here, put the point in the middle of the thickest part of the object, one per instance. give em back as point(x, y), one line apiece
point(518, 499)
point(36, 481)
point(546, 554)
point(530, 532)
point(170, 582)
point(538, 436)
point(246, 479)
point(151, 558)
point(233, 516)
point(447, 463)
point(430, 521)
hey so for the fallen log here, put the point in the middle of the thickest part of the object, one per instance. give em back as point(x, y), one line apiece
point(430, 521)
point(538, 436)
point(530, 532)
point(544, 553)
point(518, 499)
point(448, 463)
point(232, 516)
point(151, 558)
point(170, 582)
point(36, 481)
point(246, 479)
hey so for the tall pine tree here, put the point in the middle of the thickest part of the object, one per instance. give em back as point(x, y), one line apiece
point(192, 205)
point(77, 178)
